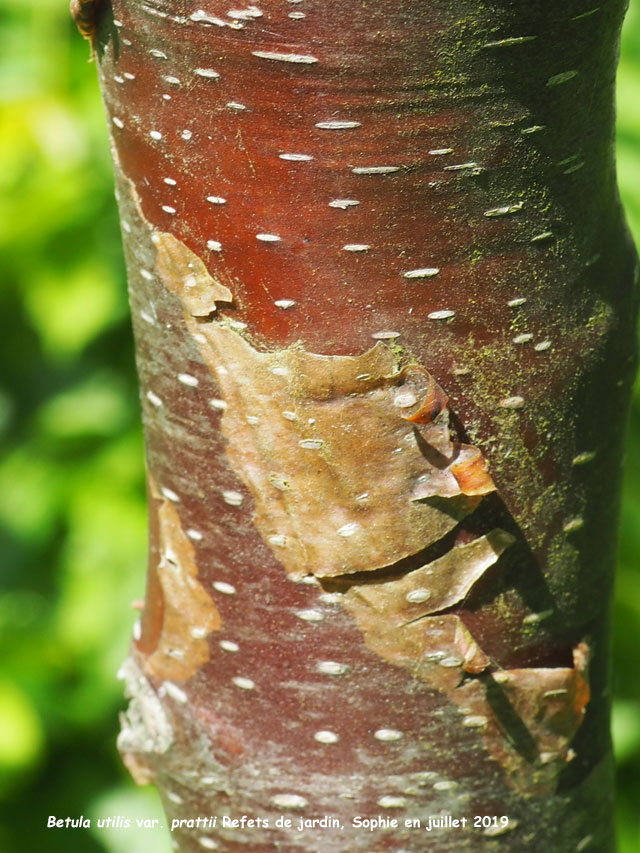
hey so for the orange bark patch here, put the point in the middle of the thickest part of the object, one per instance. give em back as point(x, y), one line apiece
point(470, 472)
point(189, 613)
point(551, 702)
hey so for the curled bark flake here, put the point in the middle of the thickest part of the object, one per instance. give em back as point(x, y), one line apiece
point(397, 618)
point(427, 648)
point(189, 614)
point(533, 715)
point(474, 660)
point(94, 19)
point(470, 472)
point(466, 474)
point(433, 587)
point(434, 401)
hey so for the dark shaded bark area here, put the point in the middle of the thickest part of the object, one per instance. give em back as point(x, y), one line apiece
point(414, 191)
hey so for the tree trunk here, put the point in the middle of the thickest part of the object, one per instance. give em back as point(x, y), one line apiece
point(384, 306)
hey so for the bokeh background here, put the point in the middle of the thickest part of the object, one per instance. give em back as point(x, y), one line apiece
point(72, 504)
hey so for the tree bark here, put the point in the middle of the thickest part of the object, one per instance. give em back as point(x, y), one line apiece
point(384, 306)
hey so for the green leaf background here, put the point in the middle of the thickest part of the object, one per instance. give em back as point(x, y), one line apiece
point(72, 501)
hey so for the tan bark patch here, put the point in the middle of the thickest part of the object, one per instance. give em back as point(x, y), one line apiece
point(189, 613)
point(527, 717)
point(186, 275)
point(337, 473)
point(330, 463)
point(532, 716)
point(403, 629)
point(551, 702)
point(431, 588)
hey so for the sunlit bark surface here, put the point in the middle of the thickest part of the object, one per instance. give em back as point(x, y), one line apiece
point(384, 306)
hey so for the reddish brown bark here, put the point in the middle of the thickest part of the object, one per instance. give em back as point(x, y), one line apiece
point(384, 309)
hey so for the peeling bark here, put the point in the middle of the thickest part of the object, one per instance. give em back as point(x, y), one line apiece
point(180, 646)
point(289, 420)
point(379, 278)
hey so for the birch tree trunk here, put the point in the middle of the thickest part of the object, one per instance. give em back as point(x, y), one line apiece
point(384, 306)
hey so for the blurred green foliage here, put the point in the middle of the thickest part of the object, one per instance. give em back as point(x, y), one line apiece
point(72, 504)
point(72, 500)
point(626, 635)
